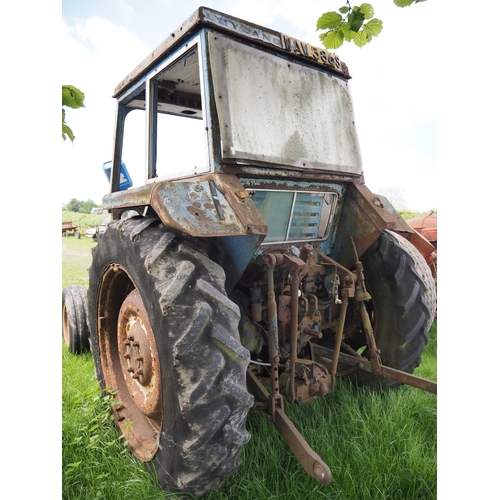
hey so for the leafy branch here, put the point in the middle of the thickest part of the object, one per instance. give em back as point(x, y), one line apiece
point(352, 24)
point(71, 98)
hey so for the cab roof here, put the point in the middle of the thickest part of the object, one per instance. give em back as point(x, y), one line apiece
point(240, 29)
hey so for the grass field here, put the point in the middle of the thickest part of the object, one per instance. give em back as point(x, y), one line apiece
point(76, 259)
point(379, 445)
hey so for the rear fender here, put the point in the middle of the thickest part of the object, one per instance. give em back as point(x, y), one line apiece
point(206, 206)
point(364, 216)
point(214, 206)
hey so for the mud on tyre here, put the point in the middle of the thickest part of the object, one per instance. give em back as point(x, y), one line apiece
point(165, 342)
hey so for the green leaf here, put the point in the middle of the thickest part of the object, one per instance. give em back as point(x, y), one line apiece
point(344, 27)
point(333, 39)
point(373, 27)
point(359, 26)
point(360, 39)
point(348, 34)
point(72, 97)
point(67, 132)
point(406, 3)
point(328, 21)
point(356, 20)
point(367, 10)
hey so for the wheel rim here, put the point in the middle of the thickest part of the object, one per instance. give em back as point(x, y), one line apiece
point(138, 356)
point(130, 362)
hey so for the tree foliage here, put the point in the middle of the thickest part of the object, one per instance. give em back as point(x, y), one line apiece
point(395, 195)
point(84, 207)
point(71, 98)
point(352, 24)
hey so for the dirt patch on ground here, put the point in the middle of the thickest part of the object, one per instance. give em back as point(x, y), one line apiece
point(67, 252)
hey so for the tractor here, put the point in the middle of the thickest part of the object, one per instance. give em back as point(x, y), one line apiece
point(426, 225)
point(246, 263)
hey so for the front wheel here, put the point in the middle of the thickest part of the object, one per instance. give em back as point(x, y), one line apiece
point(165, 342)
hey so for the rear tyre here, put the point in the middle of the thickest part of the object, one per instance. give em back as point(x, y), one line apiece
point(165, 340)
point(424, 271)
point(402, 306)
point(75, 328)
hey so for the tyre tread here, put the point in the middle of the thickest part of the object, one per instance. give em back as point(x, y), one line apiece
point(207, 362)
point(403, 315)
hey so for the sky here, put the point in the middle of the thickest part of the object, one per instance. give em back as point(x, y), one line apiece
point(392, 84)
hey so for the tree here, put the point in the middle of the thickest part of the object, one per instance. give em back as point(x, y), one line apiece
point(87, 206)
point(395, 195)
point(84, 207)
point(71, 98)
point(352, 24)
point(73, 205)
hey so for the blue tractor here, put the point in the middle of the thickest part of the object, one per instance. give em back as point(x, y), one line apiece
point(253, 264)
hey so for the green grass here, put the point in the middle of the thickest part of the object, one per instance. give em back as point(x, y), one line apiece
point(378, 444)
point(96, 460)
point(76, 259)
point(410, 214)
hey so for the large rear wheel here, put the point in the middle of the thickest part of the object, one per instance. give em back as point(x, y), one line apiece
point(402, 306)
point(165, 341)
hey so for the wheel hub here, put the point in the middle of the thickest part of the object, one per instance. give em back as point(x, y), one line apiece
point(138, 356)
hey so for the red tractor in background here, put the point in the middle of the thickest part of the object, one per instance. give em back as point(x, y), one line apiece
point(426, 225)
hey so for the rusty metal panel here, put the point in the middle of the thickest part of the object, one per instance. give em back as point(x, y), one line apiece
point(364, 216)
point(241, 202)
point(201, 208)
point(241, 27)
point(210, 205)
point(133, 197)
point(191, 207)
point(318, 134)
